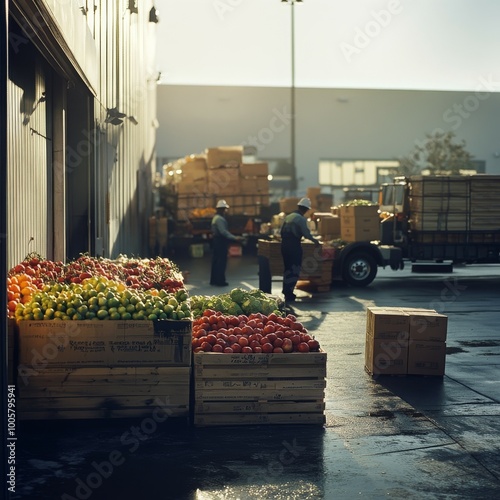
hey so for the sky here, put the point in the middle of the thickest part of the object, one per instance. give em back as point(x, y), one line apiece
point(389, 44)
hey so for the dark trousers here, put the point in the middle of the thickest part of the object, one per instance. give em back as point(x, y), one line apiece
point(291, 251)
point(220, 247)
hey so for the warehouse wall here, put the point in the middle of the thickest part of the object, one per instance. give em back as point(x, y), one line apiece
point(76, 181)
point(330, 123)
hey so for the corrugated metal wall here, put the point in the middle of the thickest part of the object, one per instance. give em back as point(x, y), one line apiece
point(29, 152)
point(121, 158)
point(126, 150)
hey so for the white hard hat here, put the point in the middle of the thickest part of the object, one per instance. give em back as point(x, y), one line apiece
point(222, 204)
point(304, 202)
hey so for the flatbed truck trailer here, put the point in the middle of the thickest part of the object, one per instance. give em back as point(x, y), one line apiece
point(427, 219)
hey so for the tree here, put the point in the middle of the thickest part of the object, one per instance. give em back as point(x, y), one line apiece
point(439, 154)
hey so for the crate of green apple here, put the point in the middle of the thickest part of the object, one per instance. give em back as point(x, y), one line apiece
point(215, 331)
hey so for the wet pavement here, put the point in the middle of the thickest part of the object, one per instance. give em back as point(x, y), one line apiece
point(385, 437)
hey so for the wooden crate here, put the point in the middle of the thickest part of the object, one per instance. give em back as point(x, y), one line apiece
point(88, 343)
point(244, 389)
point(122, 392)
point(103, 369)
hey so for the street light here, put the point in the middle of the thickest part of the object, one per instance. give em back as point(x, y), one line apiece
point(293, 185)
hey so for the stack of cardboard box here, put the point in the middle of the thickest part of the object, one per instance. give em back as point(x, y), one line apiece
point(359, 223)
point(405, 341)
point(219, 173)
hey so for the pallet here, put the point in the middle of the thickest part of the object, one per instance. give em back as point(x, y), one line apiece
point(245, 389)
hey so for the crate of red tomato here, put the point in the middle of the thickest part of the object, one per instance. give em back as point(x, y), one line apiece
point(256, 369)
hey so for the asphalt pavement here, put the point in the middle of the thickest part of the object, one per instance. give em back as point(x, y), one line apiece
point(385, 437)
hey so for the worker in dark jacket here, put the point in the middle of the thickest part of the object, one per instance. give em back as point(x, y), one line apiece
point(220, 245)
point(294, 228)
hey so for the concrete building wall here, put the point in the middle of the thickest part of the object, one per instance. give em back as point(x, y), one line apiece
point(331, 124)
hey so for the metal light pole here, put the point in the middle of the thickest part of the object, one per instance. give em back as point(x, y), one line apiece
point(293, 183)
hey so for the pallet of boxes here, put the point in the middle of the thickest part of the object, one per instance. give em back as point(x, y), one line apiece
point(405, 341)
point(218, 173)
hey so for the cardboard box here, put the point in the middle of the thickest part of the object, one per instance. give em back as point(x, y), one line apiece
point(426, 358)
point(254, 185)
point(323, 202)
point(353, 233)
point(428, 326)
point(50, 344)
point(195, 170)
point(254, 169)
point(359, 211)
point(329, 226)
point(359, 223)
point(288, 205)
point(231, 156)
point(312, 193)
point(245, 389)
point(223, 181)
point(387, 323)
point(386, 356)
point(197, 187)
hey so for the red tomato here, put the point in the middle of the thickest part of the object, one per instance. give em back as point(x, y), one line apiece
point(252, 323)
point(303, 347)
point(295, 338)
point(287, 345)
point(278, 350)
point(267, 347)
point(211, 338)
point(237, 330)
point(228, 350)
point(247, 330)
point(278, 342)
point(313, 345)
point(254, 343)
point(236, 347)
point(246, 349)
point(218, 348)
point(257, 349)
point(206, 346)
point(243, 341)
point(271, 337)
point(268, 329)
point(232, 338)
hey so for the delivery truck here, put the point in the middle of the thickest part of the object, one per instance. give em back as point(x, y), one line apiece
point(425, 219)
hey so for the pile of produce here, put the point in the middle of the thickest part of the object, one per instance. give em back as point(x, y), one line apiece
point(97, 288)
point(236, 302)
point(359, 203)
point(255, 333)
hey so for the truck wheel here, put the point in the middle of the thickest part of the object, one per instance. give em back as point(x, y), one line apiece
point(359, 269)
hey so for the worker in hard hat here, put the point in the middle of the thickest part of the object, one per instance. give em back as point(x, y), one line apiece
point(294, 228)
point(220, 244)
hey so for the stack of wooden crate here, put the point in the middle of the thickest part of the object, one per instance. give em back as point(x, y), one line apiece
point(103, 369)
point(456, 203)
point(240, 389)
